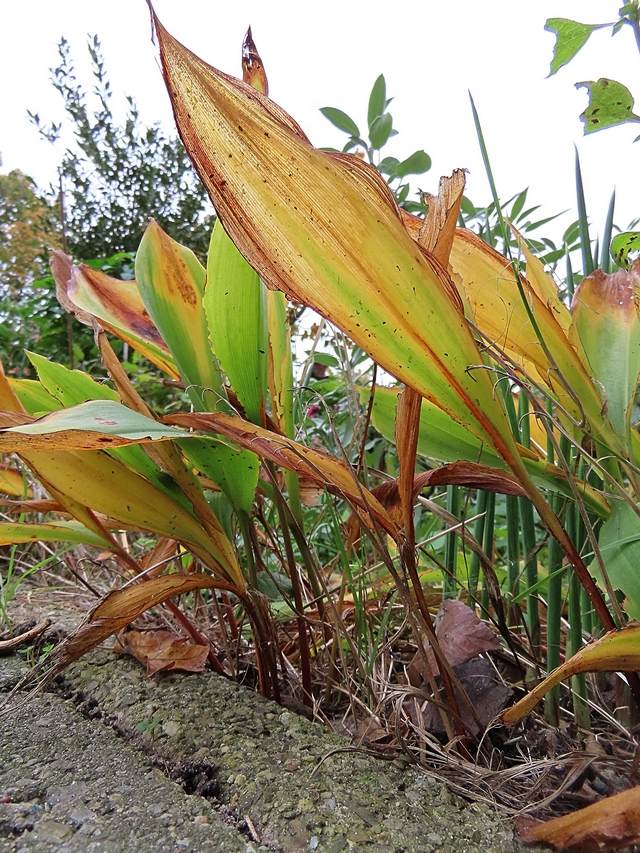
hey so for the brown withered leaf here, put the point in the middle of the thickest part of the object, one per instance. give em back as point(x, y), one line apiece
point(310, 492)
point(611, 824)
point(253, 72)
point(461, 636)
point(161, 651)
point(486, 693)
point(456, 474)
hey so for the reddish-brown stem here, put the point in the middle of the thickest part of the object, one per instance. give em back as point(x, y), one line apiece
point(230, 614)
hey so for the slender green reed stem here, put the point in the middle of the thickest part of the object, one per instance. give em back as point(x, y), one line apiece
point(554, 615)
point(554, 601)
point(449, 589)
point(585, 240)
point(248, 549)
point(529, 544)
point(571, 285)
point(303, 638)
point(575, 529)
point(605, 257)
point(478, 530)
point(513, 556)
point(487, 542)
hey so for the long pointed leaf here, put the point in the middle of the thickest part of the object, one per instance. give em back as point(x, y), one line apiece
point(325, 229)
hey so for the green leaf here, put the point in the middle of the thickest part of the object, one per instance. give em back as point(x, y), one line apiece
point(606, 320)
point(518, 205)
point(326, 359)
point(610, 104)
point(388, 166)
point(377, 100)
point(620, 546)
point(340, 120)
point(103, 416)
point(380, 131)
point(171, 283)
point(69, 387)
point(623, 245)
point(440, 438)
point(236, 310)
point(417, 164)
point(235, 471)
point(54, 531)
point(33, 396)
point(571, 37)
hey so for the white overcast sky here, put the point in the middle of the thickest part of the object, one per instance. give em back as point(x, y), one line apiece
point(329, 54)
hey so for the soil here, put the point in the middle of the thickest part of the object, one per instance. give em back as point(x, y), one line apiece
point(110, 760)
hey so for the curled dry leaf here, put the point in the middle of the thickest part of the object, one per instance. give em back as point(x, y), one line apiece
point(162, 650)
point(461, 636)
point(611, 824)
point(253, 72)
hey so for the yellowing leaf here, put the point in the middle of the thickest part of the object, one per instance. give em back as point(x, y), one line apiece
point(325, 229)
point(171, 283)
point(617, 651)
point(86, 293)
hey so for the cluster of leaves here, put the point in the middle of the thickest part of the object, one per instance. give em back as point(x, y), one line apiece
point(610, 102)
point(380, 131)
point(28, 229)
point(226, 478)
point(117, 176)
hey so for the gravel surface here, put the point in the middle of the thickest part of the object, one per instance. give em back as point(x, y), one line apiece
point(92, 766)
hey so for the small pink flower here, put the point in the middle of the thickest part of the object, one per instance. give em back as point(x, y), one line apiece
point(313, 410)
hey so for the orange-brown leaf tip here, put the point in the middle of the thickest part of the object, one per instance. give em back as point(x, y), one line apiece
point(253, 72)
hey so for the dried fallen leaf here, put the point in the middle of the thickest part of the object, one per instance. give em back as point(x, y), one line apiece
point(162, 650)
point(485, 692)
point(461, 636)
point(611, 824)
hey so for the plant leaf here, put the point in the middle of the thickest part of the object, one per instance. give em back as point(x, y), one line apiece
point(33, 396)
point(606, 319)
point(610, 104)
point(102, 419)
point(571, 37)
point(380, 131)
point(617, 651)
point(291, 210)
point(619, 543)
point(377, 101)
point(236, 312)
point(340, 120)
point(417, 164)
point(87, 293)
point(69, 387)
point(53, 531)
point(611, 824)
point(325, 470)
point(171, 283)
point(11, 481)
point(253, 72)
point(622, 245)
point(444, 440)
point(162, 651)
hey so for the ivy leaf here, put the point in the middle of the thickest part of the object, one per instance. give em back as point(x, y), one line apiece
point(418, 163)
point(610, 103)
point(623, 245)
point(571, 37)
point(340, 120)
